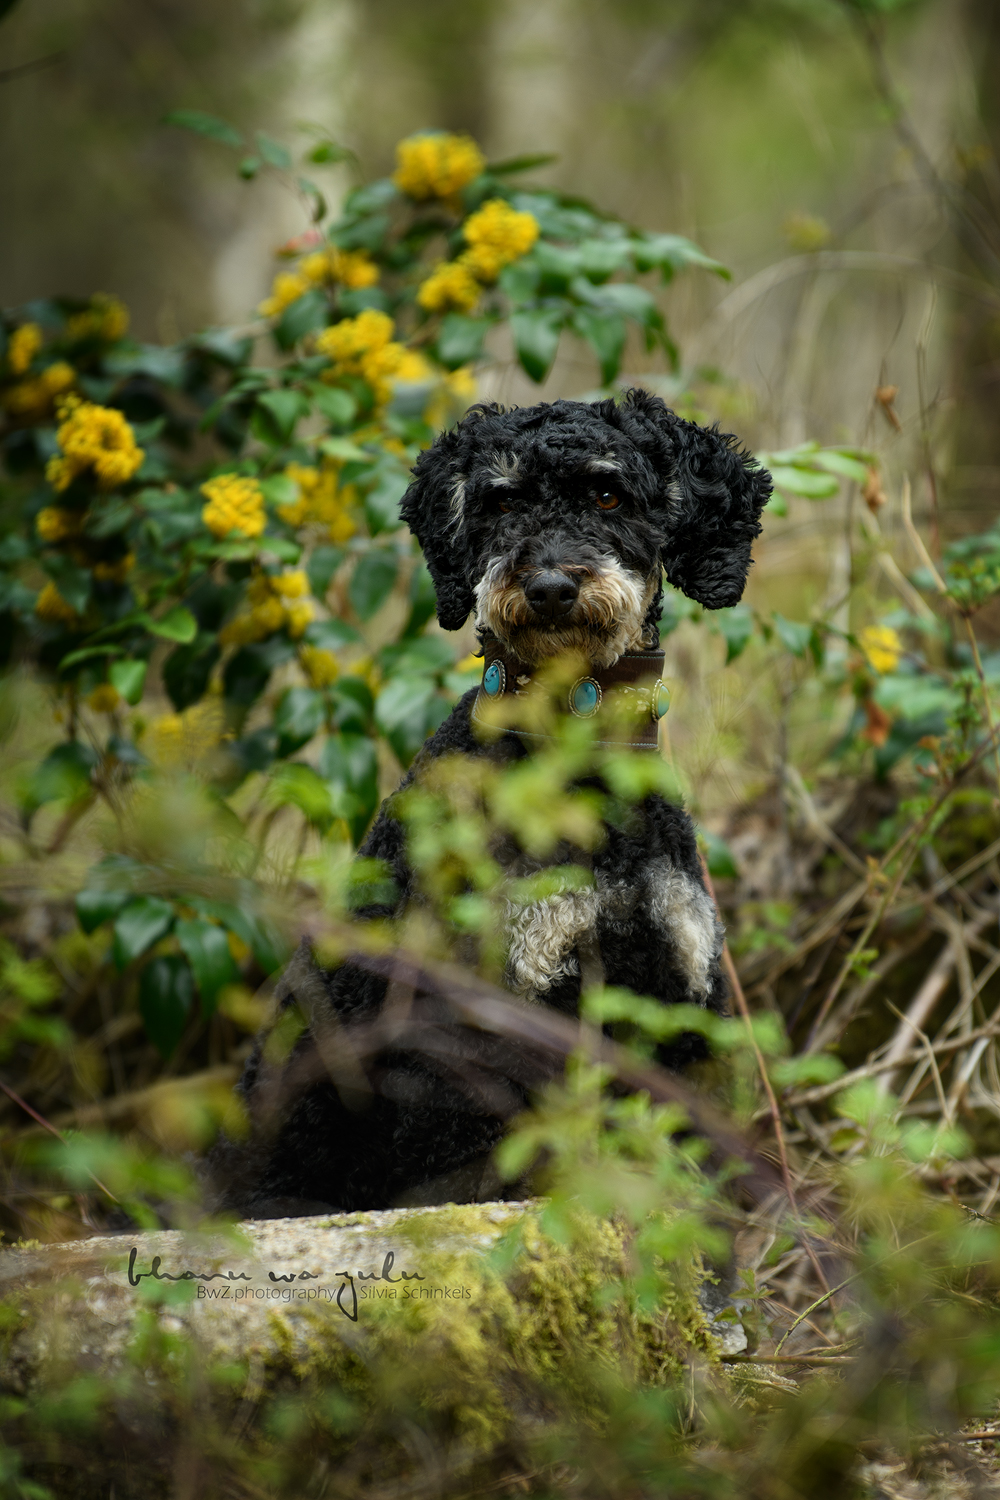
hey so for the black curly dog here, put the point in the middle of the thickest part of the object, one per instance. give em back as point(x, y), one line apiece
point(556, 524)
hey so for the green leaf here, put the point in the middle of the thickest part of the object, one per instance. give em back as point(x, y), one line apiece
point(837, 461)
point(284, 408)
point(810, 483)
point(382, 500)
point(320, 568)
point(249, 167)
point(736, 627)
point(64, 775)
point(718, 856)
point(128, 678)
point(96, 906)
point(305, 315)
point(166, 998)
point(331, 635)
point(299, 786)
point(512, 164)
point(536, 338)
point(372, 581)
point(187, 670)
point(178, 624)
point(407, 710)
point(672, 252)
point(300, 714)
point(343, 448)
point(207, 949)
point(352, 705)
point(273, 152)
point(204, 124)
point(337, 406)
point(349, 764)
point(460, 339)
point(140, 924)
point(605, 333)
point(793, 634)
point(424, 601)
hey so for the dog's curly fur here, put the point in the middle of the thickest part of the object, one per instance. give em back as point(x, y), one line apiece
point(610, 496)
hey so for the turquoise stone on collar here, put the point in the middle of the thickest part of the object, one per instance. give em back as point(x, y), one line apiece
point(634, 683)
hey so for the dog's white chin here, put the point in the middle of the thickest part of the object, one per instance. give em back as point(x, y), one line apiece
point(609, 616)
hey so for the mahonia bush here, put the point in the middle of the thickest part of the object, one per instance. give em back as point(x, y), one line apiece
point(196, 542)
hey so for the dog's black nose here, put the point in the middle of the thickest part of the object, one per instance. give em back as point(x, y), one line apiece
point(552, 594)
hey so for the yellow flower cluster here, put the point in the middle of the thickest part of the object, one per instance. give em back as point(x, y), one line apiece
point(186, 737)
point(106, 319)
point(274, 602)
point(351, 268)
point(24, 344)
point(364, 346)
point(36, 395)
point(882, 647)
point(321, 501)
point(451, 286)
point(436, 166)
point(320, 666)
point(496, 234)
point(235, 503)
point(104, 699)
point(97, 438)
point(51, 606)
point(55, 524)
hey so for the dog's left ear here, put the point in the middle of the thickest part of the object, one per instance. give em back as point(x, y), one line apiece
point(430, 507)
point(713, 496)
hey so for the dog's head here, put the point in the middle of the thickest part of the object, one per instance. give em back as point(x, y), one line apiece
point(556, 523)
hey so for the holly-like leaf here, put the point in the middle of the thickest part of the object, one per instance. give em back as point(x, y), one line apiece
point(812, 484)
point(300, 714)
point(305, 315)
point(166, 998)
point(128, 678)
point(284, 408)
point(793, 634)
point(140, 924)
point(96, 906)
point(178, 624)
point(210, 126)
point(64, 775)
point(372, 581)
point(605, 333)
point(206, 946)
point(536, 338)
point(460, 340)
point(273, 152)
point(736, 628)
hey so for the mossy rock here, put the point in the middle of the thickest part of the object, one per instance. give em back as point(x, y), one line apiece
point(366, 1345)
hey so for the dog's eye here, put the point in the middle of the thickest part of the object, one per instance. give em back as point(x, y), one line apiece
point(608, 501)
point(502, 505)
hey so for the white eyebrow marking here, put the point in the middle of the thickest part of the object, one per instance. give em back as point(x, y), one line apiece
point(603, 464)
point(503, 468)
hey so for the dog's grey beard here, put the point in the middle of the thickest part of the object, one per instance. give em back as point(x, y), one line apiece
point(607, 618)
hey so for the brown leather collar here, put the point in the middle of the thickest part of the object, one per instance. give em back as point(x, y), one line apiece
point(633, 685)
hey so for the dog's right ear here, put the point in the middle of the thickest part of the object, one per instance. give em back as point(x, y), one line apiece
point(430, 508)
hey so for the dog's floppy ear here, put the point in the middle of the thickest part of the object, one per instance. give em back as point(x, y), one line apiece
point(713, 495)
point(430, 508)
